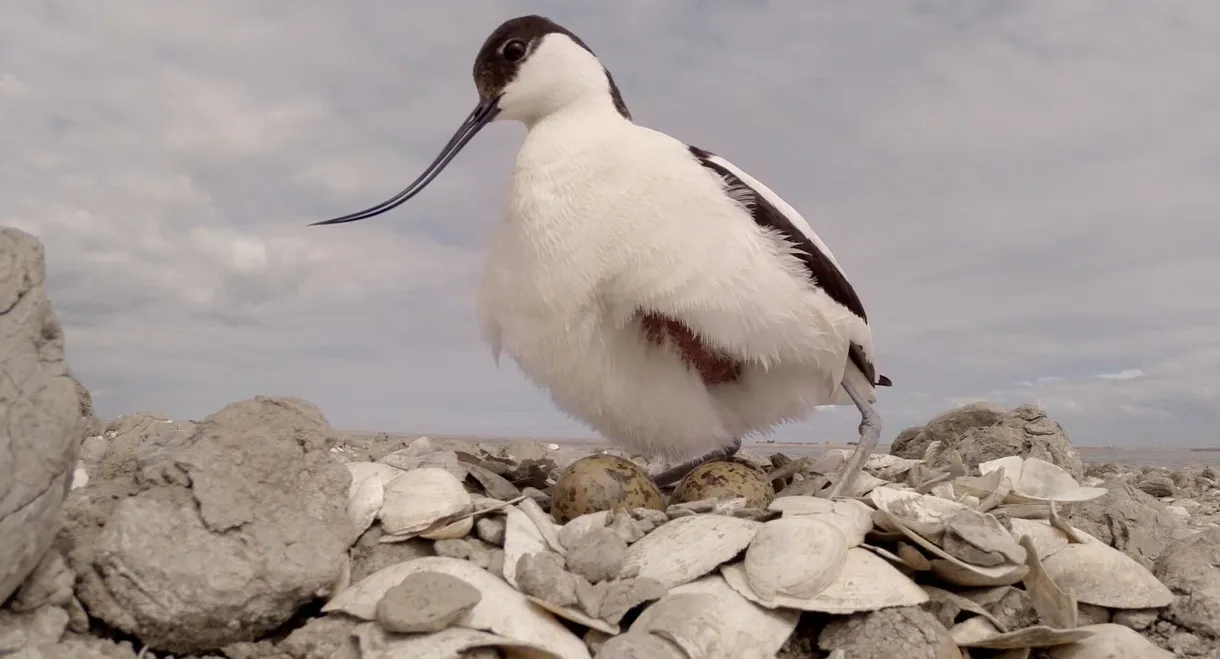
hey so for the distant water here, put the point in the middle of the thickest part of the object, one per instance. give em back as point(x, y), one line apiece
point(1132, 457)
point(1172, 457)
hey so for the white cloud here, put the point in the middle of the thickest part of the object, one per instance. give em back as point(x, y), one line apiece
point(1024, 194)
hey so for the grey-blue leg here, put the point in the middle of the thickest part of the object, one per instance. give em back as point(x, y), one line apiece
point(870, 434)
point(675, 474)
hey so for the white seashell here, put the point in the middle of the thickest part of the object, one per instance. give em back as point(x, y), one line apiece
point(419, 498)
point(1054, 607)
point(687, 548)
point(866, 583)
point(80, 478)
point(383, 472)
point(544, 522)
point(364, 499)
point(1110, 641)
point(954, 570)
point(794, 556)
point(409, 460)
point(1046, 538)
point(765, 630)
point(980, 633)
point(981, 537)
point(458, 528)
point(922, 513)
point(1101, 575)
point(696, 623)
point(852, 516)
point(501, 609)
point(445, 644)
point(1035, 480)
point(577, 527)
point(521, 537)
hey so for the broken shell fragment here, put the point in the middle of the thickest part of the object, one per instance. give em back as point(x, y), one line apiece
point(687, 548)
point(1101, 575)
point(853, 517)
point(924, 514)
point(795, 557)
point(376, 643)
point(866, 583)
point(501, 608)
point(1039, 481)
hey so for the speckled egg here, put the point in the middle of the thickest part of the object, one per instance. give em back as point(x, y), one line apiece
point(602, 482)
point(725, 479)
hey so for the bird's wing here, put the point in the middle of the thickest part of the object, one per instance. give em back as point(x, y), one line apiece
point(775, 292)
point(772, 213)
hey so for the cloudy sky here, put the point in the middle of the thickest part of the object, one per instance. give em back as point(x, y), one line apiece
point(1025, 195)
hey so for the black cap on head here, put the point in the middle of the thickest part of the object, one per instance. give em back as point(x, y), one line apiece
point(496, 65)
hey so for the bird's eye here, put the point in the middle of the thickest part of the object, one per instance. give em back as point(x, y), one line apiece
point(513, 50)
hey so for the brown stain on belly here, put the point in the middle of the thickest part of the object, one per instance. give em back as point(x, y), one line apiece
point(714, 367)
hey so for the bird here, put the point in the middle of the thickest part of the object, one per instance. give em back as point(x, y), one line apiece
point(659, 293)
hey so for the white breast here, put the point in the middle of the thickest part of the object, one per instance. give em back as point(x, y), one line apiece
point(602, 221)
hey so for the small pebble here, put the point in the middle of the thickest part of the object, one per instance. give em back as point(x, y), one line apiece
point(1137, 619)
point(542, 575)
point(425, 602)
point(598, 555)
point(491, 530)
point(495, 564)
point(625, 526)
point(452, 548)
point(1158, 485)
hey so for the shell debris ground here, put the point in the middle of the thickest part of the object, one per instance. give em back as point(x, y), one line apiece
point(527, 552)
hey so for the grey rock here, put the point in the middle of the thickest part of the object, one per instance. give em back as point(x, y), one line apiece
point(370, 554)
point(1137, 619)
point(328, 637)
point(453, 548)
point(32, 630)
point(223, 533)
point(906, 632)
point(49, 584)
point(980, 432)
point(907, 445)
point(622, 524)
point(1191, 569)
point(622, 595)
point(490, 530)
point(1128, 520)
point(425, 602)
point(1157, 485)
point(542, 575)
point(41, 418)
point(93, 450)
point(597, 555)
point(946, 428)
point(1088, 614)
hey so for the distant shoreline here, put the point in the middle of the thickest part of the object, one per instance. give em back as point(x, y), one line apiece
point(507, 439)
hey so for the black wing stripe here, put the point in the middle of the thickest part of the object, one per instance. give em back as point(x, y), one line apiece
point(822, 272)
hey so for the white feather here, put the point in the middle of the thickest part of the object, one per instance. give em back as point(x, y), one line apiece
point(606, 218)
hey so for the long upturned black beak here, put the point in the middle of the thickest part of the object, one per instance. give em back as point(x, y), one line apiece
point(482, 115)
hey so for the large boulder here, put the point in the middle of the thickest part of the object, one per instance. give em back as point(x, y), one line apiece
point(41, 423)
point(980, 432)
point(1129, 520)
point(1191, 569)
point(198, 536)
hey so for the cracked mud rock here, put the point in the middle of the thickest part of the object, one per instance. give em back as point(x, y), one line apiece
point(41, 420)
point(980, 432)
point(220, 532)
point(1191, 569)
point(906, 632)
point(1129, 520)
point(425, 602)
